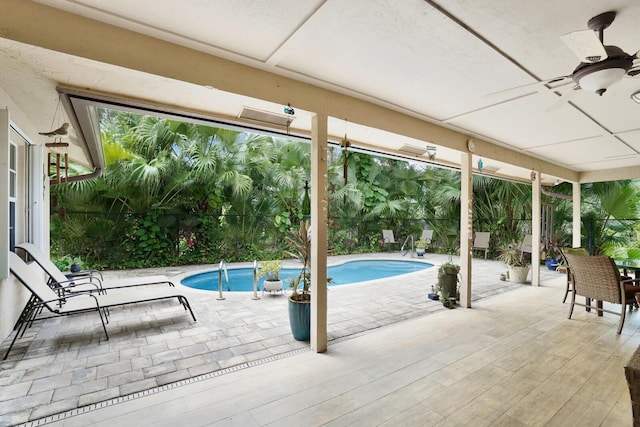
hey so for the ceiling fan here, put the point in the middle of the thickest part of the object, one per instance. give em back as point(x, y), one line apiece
point(601, 65)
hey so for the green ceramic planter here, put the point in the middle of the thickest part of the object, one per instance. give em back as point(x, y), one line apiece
point(300, 319)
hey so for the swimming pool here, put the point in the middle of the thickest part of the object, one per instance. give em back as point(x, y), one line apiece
point(241, 279)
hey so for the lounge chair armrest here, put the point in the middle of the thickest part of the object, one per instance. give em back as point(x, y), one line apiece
point(70, 286)
point(74, 282)
point(62, 299)
point(64, 282)
point(86, 280)
point(96, 272)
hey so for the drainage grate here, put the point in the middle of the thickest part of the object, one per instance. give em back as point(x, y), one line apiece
point(121, 399)
point(214, 374)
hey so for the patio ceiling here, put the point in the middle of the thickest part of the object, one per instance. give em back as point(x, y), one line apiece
point(435, 61)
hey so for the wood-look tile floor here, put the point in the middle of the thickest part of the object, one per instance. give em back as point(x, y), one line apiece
point(513, 360)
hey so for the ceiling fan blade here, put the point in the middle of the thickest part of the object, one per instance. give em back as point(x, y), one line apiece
point(566, 97)
point(585, 45)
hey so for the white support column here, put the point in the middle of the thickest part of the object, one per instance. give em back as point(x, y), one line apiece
point(576, 240)
point(466, 228)
point(536, 219)
point(4, 193)
point(319, 233)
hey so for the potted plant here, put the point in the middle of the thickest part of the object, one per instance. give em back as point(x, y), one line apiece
point(300, 298)
point(68, 263)
point(553, 255)
point(271, 271)
point(518, 265)
point(76, 266)
point(421, 246)
point(444, 299)
point(448, 279)
point(433, 295)
point(551, 260)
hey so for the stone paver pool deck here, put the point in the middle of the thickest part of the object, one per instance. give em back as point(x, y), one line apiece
point(65, 363)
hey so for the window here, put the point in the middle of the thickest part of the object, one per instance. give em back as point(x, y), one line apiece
point(13, 191)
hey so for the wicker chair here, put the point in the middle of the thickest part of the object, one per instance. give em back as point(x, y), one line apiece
point(574, 251)
point(598, 278)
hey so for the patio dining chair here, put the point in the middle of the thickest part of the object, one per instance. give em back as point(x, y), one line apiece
point(597, 278)
point(43, 297)
point(88, 283)
point(574, 251)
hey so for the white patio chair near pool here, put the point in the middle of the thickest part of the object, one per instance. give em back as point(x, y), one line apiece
point(389, 239)
point(481, 242)
point(427, 235)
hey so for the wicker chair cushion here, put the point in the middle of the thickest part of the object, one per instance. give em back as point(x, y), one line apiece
point(630, 291)
point(575, 251)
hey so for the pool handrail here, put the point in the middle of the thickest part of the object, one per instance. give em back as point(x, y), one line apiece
point(402, 251)
point(255, 280)
point(223, 265)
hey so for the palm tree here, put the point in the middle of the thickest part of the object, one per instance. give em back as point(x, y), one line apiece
point(503, 207)
point(605, 206)
point(205, 183)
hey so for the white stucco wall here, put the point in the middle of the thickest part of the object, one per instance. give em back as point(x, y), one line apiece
point(13, 295)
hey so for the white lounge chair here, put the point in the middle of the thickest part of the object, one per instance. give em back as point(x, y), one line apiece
point(43, 297)
point(89, 283)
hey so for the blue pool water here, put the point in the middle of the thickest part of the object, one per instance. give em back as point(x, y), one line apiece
point(241, 279)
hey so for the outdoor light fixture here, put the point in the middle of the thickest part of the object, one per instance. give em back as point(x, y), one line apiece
point(431, 150)
point(480, 164)
point(289, 110)
point(635, 96)
point(412, 149)
point(600, 76)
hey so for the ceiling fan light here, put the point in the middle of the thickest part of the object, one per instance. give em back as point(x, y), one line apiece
point(601, 79)
point(635, 96)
